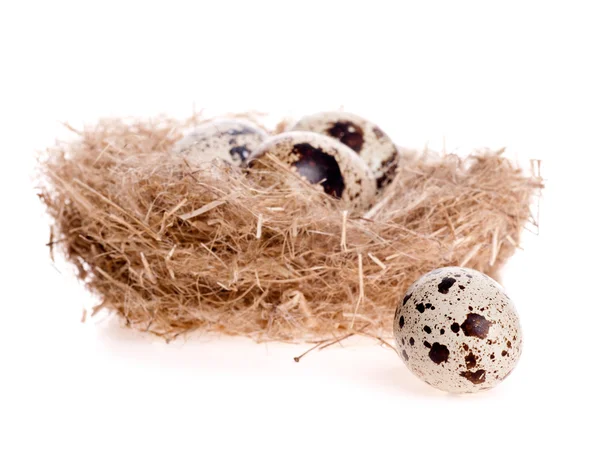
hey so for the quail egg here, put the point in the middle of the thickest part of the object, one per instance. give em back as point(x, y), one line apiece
point(323, 161)
point(229, 139)
point(458, 331)
point(362, 136)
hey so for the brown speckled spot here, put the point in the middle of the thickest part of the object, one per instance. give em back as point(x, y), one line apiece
point(389, 167)
point(475, 325)
point(404, 355)
point(446, 284)
point(427, 344)
point(455, 327)
point(319, 167)
point(348, 133)
point(406, 298)
point(504, 353)
point(242, 130)
point(401, 321)
point(421, 308)
point(427, 329)
point(411, 341)
point(240, 153)
point(471, 361)
point(476, 377)
point(378, 132)
point(439, 353)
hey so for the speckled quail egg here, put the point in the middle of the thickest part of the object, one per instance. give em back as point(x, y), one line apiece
point(324, 161)
point(458, 331)
point(364, 137)
point(232, 140)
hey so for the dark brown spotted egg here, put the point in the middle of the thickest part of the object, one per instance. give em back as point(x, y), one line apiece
point(458, 331)
point(365, 138)
point(322, 161)
point(232, 140)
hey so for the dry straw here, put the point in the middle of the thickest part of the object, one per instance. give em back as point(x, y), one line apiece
point(173, 247)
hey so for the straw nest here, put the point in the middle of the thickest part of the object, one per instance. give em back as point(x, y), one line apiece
point(173, 248)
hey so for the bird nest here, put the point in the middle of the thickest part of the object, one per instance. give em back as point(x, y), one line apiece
point(171, 247)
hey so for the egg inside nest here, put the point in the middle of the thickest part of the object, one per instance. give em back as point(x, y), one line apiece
point(323, 162)
point(232, 140)
point(365, 138)
point(458, 331)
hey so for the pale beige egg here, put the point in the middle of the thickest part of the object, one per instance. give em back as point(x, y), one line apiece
point(324, 162)
point(458, 331)
point(373, 145)
point(232, 140)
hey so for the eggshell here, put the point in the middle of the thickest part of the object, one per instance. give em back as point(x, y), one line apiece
point(365, 138)
point(458, 331)
point(232, 140)
point(323, 161)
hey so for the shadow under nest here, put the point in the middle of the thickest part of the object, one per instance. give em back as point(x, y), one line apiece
point(173, 248)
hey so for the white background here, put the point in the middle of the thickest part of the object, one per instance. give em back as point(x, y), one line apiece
point(456, 75)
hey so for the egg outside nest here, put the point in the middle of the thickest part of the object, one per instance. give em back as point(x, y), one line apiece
point(458, 331)
point(323, 162)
